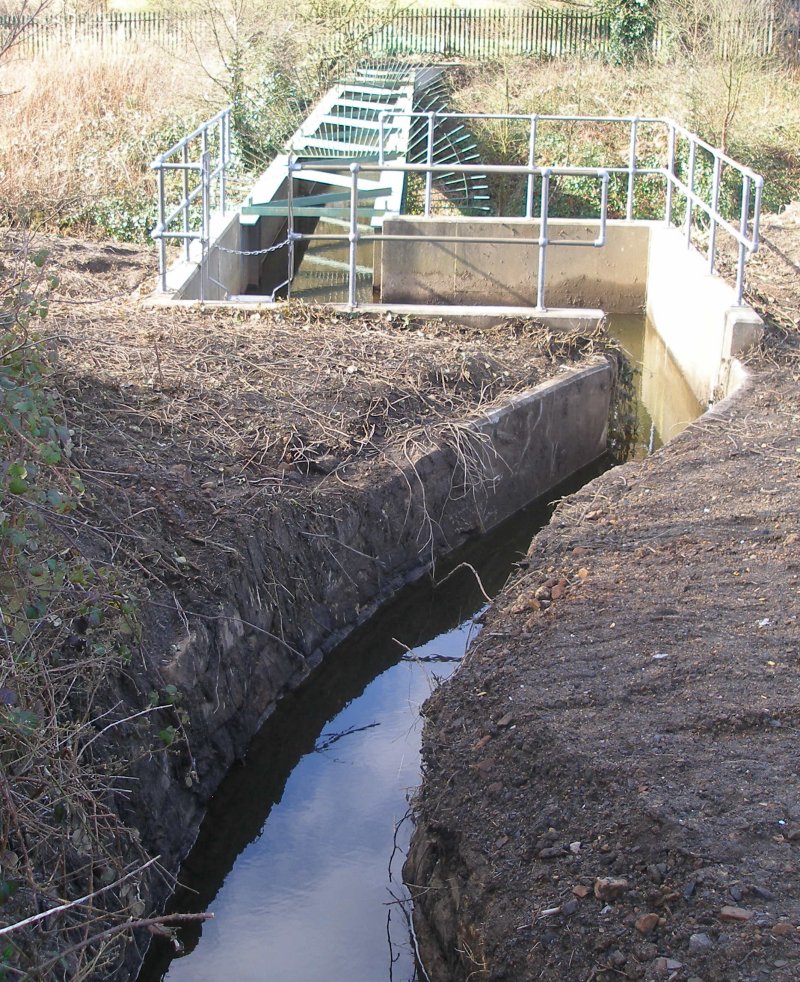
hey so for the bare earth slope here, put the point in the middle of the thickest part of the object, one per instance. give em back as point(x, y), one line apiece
point(612, 784)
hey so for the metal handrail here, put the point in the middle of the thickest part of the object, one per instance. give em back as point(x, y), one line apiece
point(212, 183)
point(745, 233)
point(751, 183)
point(354, 234)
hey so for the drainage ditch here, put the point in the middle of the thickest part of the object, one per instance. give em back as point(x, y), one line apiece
point(300, 854)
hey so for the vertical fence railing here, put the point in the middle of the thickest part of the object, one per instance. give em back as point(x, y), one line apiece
point(468, 33)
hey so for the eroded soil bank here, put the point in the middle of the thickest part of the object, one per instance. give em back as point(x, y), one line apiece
point(611, 786)
point(266, 480)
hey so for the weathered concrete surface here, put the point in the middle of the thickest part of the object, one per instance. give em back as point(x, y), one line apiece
point(611, 278)
point(696, 314)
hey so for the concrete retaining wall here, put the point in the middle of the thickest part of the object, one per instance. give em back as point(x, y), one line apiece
point(643, 264)
point(259, 641)
point(696, 315)
point(613, 277)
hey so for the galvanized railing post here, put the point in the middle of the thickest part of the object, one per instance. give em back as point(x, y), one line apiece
point(531, 164)
point(670, 174)
point(222, 165)
point(291, 167)
point(690, 192)
point(631, 167)
point(743, 223)
point(757, 213)
point(543, 241)
point(605, 180)
point(186, 219)
point(352, 297)
point(429, 158)
point(205, 179)
point(712, 230)
point(162, 242)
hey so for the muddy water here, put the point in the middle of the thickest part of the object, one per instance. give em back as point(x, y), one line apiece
point(300, 855)
point(665, 402)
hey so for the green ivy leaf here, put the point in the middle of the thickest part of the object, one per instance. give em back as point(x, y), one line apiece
point(50, 453)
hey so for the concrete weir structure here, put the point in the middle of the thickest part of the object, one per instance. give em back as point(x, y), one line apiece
point(335, 204)
point(558, 271)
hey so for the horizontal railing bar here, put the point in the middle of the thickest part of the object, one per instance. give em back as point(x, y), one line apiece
point(203, 127)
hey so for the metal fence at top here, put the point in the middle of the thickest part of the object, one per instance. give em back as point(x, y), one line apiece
point(459, 32)
point(702, 190)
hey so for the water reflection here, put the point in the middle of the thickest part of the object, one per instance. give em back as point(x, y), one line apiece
point(295, 856)
point(666, 402)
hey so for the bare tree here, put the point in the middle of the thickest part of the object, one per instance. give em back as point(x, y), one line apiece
point(16, 20)
point(732, 39)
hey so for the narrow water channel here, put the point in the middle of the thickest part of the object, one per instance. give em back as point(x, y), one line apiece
point(301, 852)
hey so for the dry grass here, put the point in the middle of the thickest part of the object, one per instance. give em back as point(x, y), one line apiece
point(765, 132)
point(80, 126)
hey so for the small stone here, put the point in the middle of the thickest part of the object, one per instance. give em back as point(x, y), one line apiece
point(506, 720)
point(646, 923)
point(762, 892)
point(569, 907)
point(579, 551)
point(700, 943)
point(793, 834)
point(557, 592)
point(495, 787)
point(665, 966)
point(736, 893)
point(502, 841)
point(583, 573)
point(551, 852)
point(482, 742)
point(617, 958)
point(735, 914)
point(783, 929)
point(581, 891)
point(574, 848)
point(609, 887)
point(543, 593)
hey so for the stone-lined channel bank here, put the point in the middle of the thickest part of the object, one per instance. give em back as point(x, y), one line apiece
point(292, 856)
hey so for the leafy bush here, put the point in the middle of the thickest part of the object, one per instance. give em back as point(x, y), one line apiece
point(633, 28)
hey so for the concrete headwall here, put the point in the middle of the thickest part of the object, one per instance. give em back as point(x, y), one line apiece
point(613, 277)
point(642, 265)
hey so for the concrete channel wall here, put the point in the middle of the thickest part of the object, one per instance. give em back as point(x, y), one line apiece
point(611, 278)
point(229, 270)
point(696, 315)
